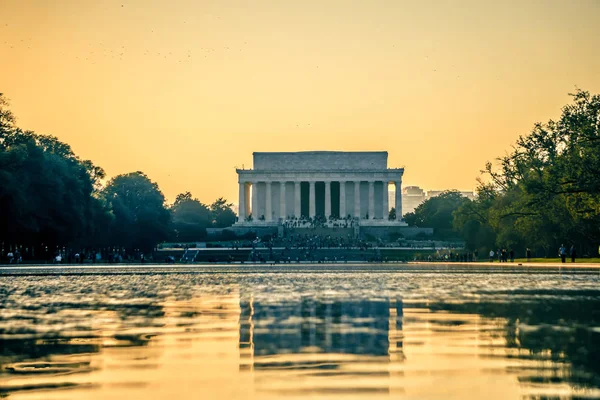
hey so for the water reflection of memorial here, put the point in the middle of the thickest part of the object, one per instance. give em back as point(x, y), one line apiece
point(361, 328)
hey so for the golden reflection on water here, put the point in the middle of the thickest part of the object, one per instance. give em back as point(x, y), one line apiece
point(229, 346)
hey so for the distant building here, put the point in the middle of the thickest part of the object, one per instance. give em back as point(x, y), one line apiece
point(412, 196)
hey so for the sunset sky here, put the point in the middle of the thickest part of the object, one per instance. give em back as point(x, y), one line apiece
point(185, 91)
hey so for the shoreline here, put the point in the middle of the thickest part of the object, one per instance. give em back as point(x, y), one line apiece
point(535, 265)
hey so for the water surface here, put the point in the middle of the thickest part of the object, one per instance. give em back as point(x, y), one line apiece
point(327, 331)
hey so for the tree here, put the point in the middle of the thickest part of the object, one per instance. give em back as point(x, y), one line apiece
point(471, 220)
point(392, 214)
point(437, 213)
point(46, 192)
point(141, 219)
point(222, 215)
point(547, 190)
point(7, 119)
point(189, 219)
point(548, 186)
point(48, 196)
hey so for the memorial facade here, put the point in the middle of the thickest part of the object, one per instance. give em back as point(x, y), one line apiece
point(329, 184)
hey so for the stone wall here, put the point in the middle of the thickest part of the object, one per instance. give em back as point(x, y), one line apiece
point(384, 232)
point(242, 230)
point(322, 231)
point(321, 161)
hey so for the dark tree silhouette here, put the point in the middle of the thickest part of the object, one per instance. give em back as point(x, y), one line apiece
point(140, 217)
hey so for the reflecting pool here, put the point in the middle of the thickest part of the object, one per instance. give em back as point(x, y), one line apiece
point(294, 331)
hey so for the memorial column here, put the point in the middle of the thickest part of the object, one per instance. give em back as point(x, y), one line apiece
point(242, 202)
point(371, 199)
point(248, 200)
point(254, 213)
point(297, 209)
point(386, 196)
point(268, 213)
point(398, 200)
point(327, 199)
point(342, 199)
point(312, 200)
point(282, 211)
point(357, 199)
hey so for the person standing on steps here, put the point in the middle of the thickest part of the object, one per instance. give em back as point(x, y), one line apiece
point(573, 253)
point(528, 254)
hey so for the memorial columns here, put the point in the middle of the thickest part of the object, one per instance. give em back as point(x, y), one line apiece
point(342, 199)
point(247, 199)
point(254, 213)
point(282, 198)
point(257, 200)
point(398, 200)
point(371, 199)
point(327, 200)
point(357, 199)
point(268, 213)
point(386, 196)
point(297, 209)
point(242, 203)
point(312, 200)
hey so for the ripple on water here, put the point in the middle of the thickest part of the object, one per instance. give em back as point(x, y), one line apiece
point(327, 331)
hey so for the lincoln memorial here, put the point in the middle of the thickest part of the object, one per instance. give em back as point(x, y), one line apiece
point(327, 184)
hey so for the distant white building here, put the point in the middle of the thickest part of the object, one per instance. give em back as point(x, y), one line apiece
point(412, 196)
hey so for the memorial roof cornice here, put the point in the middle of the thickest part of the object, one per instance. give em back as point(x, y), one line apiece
point(318, 152)
point(320, 171)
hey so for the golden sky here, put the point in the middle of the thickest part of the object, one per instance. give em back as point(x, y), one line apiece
point(186, 90)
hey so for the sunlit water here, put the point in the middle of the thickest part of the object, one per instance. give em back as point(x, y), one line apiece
point(415, 332)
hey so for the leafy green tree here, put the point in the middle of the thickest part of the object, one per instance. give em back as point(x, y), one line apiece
point(46, 191)
point(50, 198)
point(392, 214)
point(437, 213)
point(546, 192)
point(221, 213)
point(189, 218)
point(471, 220)
point(7, 119)
point(141, 219)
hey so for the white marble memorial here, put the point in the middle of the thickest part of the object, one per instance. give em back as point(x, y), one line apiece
point(286, 185)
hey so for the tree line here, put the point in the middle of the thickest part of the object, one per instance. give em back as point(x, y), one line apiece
point(50, 198)
point(543, 194)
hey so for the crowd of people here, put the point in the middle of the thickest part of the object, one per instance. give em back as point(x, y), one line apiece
point(290, 247)
point(320, 221)
point(562, 253)
point(64, 255)
point(451, 256)
point(316, 241)
point(502, 255)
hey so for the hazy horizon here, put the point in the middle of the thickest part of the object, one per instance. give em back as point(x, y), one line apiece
point(186, 92)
